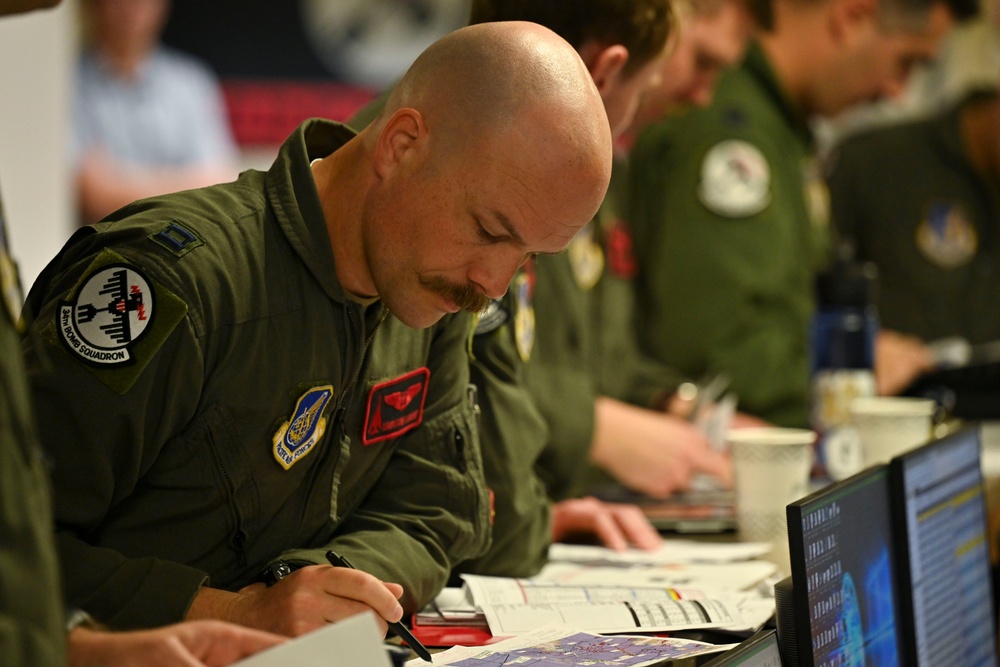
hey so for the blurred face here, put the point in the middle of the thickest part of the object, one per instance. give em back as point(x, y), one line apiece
point(446, 228)
point(878, 62)
point(621, 93)
point(131, 25)
point(709, 43)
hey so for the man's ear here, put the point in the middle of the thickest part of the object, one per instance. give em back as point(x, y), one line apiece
point(403, 133)
point(605, 63)
point(848, 16)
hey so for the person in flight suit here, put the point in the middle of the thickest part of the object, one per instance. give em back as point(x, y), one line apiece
point(620, 42)
point(728, 207)
point(921, 199)
point(236, 379)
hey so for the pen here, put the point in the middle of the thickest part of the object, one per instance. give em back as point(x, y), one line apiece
point(339, 561)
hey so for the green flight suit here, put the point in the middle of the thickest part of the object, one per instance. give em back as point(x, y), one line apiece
point(512, 433)
point(586, 345)
point(730, 221)
point(913, 203)
point(257, 411)
point(32, 631)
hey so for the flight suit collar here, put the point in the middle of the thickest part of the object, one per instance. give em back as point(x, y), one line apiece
point(292, 193)
point(759, 67)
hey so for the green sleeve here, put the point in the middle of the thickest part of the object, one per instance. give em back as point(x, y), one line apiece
point(429, 509)
point(512, 434)
point(31, 612)
point(102, 442)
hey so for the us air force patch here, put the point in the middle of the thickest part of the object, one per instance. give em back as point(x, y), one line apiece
point(735, 179)
point(946, 236)
point(396, 406)
point(299, 435)
point(110, 313)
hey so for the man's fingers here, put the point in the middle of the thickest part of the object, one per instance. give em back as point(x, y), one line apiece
point(636, 527)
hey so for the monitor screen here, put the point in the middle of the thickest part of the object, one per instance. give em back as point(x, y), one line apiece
point(843, 573)
point(944, 556)
point(761, 650)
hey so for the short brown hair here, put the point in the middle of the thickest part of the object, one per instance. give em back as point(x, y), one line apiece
point(641, 26)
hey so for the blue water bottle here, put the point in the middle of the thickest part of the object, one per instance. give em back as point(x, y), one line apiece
point(842, 340)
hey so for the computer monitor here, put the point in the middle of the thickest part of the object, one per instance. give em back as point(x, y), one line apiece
point(944, 561)
point(844, 594)
point(761, 650)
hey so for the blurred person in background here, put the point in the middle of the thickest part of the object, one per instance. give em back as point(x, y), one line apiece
point(35, 630)
point(728, 204)
point(147, 119)
point(921, 199)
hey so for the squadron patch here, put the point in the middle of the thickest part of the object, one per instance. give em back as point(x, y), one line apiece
point(735, 179)
point(524, 318)
point(946, 236)
point(299, 435)
point(396, 406)
point(111, 311)
point(586, 258)
point(621, 258)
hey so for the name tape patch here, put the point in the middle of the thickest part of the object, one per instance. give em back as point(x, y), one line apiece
point(396, 406)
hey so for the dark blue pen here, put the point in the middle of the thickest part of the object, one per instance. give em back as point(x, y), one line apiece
point(339, 561)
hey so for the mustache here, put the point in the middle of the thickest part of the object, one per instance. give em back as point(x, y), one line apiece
point(466, 296)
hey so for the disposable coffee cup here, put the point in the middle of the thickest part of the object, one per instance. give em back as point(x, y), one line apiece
point(890, 425)
point(771, 469)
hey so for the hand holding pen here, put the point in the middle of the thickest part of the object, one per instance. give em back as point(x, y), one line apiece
point(400, 629)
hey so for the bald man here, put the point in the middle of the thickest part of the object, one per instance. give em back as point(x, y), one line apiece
point(233, 381)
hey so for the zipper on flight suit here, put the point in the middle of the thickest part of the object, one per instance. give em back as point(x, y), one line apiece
point(239, 540)
point(339, 411)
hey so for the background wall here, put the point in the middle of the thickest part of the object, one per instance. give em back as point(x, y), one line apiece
point(36, 51)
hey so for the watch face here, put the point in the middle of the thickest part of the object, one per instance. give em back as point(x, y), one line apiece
point(842, 452)
point(373, 42)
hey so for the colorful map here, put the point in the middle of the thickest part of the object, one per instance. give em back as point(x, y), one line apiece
point(587, 649)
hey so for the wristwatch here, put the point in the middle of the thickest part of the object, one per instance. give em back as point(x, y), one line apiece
point(280, 569)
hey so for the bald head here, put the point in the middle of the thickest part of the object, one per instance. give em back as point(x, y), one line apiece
point(487, 74)
point(498, 81)
point(494, 146)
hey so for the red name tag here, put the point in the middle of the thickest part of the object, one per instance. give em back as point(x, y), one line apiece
point(396, 406)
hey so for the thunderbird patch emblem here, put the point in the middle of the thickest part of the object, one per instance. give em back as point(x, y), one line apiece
point(112, 310)
point(299, 435)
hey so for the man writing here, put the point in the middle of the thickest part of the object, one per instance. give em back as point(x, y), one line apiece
point(265, 370)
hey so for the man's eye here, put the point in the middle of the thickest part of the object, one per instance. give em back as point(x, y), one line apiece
point(486, 235)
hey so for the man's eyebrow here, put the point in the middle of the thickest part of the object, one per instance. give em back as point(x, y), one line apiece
point(505, 222)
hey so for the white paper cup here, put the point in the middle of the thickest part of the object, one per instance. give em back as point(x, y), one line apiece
point(890, 425)
point(771, 469)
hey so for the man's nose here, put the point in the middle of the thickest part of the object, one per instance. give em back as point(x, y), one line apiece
point(495, 271)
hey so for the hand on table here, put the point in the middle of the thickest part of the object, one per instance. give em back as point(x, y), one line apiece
point(899, 360)
point(303, 601)
point(191, 644)
point(615, 525)
point(653, 452)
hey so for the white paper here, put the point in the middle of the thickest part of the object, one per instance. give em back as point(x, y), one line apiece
point(706, 577)
point(513, 619)
point(353, 641)
point(502, 590)
point(671, 551)
point(559, 645)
